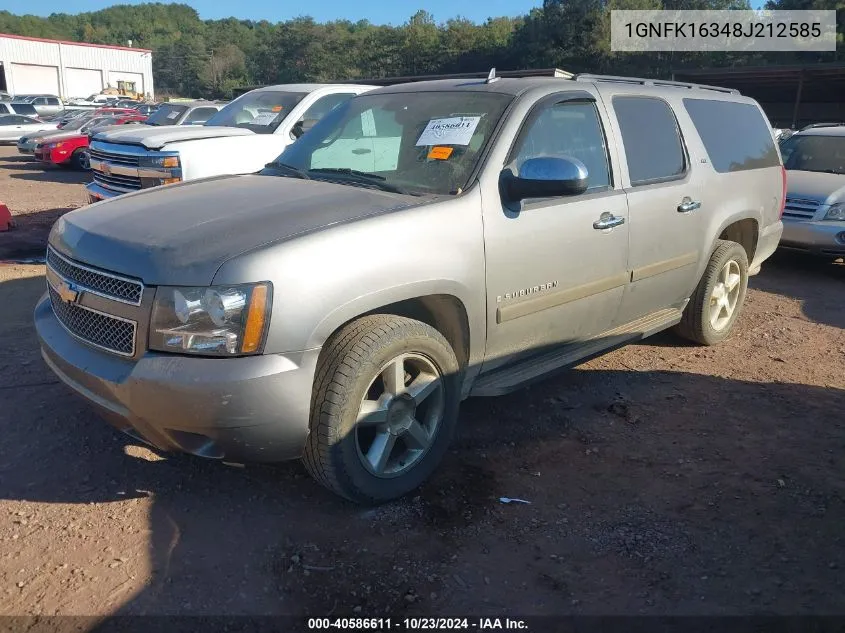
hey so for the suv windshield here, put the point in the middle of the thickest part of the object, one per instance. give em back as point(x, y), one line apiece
point(260, 111)
point(420, 142)
point(813, 152)
point(167, 114)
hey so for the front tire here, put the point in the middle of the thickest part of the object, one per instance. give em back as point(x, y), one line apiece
point(717, 301)
point(80, 160)
point(384, 408)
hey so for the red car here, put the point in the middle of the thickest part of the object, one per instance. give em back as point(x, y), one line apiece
point(99, 112)
point(71, 150)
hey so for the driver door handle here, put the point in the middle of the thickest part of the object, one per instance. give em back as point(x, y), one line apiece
point(607, 221)
point(688, 204)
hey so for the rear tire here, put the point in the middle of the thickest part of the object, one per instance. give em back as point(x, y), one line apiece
point(384, 408)
point(717, 301)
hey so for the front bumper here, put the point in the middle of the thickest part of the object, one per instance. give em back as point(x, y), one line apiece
point(250, 409)
point(97, 192)
point(825, 238)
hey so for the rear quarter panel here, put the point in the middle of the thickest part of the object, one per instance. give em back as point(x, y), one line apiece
point(728, 197)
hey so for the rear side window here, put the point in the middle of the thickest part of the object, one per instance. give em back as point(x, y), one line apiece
point(653, 147)
point(735, 135)
point(3, 109)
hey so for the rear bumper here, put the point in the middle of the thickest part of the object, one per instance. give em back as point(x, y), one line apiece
point(824, 238)
point(767, 243)
point(250, 409)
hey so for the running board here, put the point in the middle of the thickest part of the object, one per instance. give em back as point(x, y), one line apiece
point(513, 377)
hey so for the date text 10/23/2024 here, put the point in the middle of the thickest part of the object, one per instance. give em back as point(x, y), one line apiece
point(417, 624)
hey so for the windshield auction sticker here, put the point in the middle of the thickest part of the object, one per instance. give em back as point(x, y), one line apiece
point(722, 30)
point(452, 131)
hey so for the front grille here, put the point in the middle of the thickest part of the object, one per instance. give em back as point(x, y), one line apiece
point(113, 181)
point(132, 160)
point(800, 208)
point(103, 331)
point(102, 283)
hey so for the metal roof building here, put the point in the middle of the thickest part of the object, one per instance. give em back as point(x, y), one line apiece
point(30, 65)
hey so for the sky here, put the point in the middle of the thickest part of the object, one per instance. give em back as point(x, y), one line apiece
point(376, 11)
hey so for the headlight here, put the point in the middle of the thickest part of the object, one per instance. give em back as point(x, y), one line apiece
point(213, 321)
point(54, 145)
point(171, 161)
point(836, 212)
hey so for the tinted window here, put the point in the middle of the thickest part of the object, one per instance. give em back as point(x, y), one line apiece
point(200, 115)
point(735, 135)
point(3, 109)
point(25, 108)
point(568, 130)
point(650, 135)
point(52, 101)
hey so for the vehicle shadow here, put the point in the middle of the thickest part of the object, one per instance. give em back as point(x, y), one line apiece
point(692, 477)
point(51, 173)
point(28, 238)
point(788, 274)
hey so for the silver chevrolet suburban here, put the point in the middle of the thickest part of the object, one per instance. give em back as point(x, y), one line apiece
point(423, 243)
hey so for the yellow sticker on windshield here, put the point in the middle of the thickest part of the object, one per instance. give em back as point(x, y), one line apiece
point(438, 152)
point(277, 108)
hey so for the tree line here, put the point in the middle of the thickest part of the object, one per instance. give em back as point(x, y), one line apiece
point(209, 58)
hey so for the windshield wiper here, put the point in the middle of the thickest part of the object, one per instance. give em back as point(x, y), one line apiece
point(347, 172)
point(290, 169)
point(362, 177)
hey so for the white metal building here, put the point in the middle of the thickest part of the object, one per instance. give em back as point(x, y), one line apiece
point(30, 65)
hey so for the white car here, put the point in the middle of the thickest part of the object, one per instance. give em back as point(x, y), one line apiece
point(241, 138)
point(13, 126)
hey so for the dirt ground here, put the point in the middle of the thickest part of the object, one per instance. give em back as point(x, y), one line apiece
point(663, 479)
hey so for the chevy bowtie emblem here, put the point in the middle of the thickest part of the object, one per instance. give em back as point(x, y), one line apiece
point(66, 291)
point(106, 168)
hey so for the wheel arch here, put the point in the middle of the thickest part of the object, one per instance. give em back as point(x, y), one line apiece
point(745, 232)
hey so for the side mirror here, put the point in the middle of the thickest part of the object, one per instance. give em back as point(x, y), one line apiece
point(546, 177)
point(301, 127)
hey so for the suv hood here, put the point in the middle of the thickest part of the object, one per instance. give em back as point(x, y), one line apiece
point(812, 185)
point(155, 137)
point(181, 234)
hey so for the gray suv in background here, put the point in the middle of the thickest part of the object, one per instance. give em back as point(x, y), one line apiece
point(814, 218)
point(423, 243)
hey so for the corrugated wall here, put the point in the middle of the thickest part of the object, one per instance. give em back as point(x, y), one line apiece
point(110, 62)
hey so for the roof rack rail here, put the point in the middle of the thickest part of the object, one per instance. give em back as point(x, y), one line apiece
point(482, 74)
point(814, 125)
point(651, 82)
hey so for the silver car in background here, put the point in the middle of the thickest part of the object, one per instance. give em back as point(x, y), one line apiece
point(814, 217)
point(13, 126)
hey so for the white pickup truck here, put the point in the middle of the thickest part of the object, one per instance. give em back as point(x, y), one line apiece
point(245, 135)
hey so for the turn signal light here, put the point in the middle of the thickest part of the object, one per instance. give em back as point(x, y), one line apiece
point(255, 319)
point(170, 161)
point(170, 181)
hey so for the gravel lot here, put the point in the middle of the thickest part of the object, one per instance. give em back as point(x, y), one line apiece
point(664, 479)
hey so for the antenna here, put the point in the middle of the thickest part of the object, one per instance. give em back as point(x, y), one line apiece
point(492, 76)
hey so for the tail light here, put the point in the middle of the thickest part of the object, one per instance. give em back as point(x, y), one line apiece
point(783, 196)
